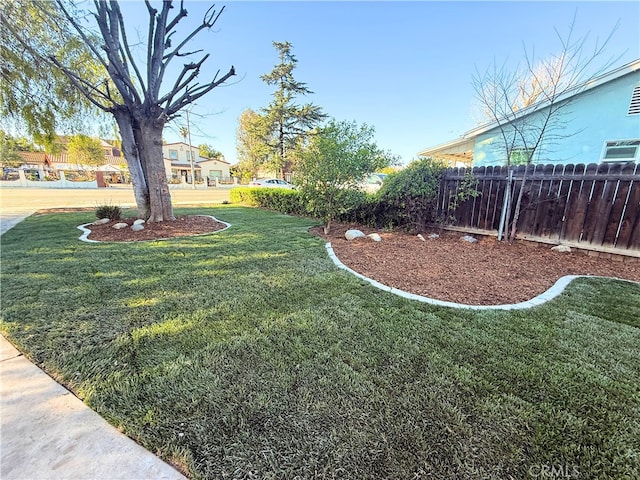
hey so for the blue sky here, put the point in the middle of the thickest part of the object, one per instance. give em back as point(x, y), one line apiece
point(403, 67)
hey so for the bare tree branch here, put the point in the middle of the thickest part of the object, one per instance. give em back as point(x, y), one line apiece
point(209, 19)
point(127, 49)
point(193, 95)
point(109, 27)
point(194, 68)
point(86, 88)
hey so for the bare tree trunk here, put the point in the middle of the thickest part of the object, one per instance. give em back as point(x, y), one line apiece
point(281, 162)
point(506, 209)
point(130, 151)
point(149, 141)
point(516, 214)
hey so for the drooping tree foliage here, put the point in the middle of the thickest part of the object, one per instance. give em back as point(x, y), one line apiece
point(288, 123)
point(137, 96)
point(33, 96)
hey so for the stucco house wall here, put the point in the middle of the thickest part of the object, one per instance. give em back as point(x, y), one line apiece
point(214, 168)
point(600, 122)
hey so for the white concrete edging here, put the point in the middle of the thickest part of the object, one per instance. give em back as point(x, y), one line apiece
point(86, 232)
point(551, 293)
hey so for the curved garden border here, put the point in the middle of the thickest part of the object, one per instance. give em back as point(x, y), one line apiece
point(86, 232)
point(551, 293)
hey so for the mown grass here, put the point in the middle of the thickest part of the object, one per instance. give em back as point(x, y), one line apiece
point(247, 354)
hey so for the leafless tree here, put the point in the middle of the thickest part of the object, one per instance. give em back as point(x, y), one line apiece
point(529, 105)
point(134, 95)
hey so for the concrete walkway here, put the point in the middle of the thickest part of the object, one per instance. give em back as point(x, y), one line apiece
point(48, 433)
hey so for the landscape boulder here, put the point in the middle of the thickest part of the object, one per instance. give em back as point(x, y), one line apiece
point(139, 222)
point(561, 249)
point(120, 226)
point(433, 236)
point(136, 227)
point(353, 234)
point(102, 221)
point(469, 238)
point(375, 237)
point(421, 237)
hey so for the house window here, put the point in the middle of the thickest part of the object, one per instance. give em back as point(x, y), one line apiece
point(634, 106)
point(173, 154)
point(621, 151)
point(520, 155)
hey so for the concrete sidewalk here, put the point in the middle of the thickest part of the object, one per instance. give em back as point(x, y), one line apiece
point(47, 433)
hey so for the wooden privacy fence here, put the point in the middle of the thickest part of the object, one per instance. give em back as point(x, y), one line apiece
point(595, 207)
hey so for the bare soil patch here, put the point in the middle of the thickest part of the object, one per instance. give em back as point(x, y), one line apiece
point(182, 226)
point(484, 273)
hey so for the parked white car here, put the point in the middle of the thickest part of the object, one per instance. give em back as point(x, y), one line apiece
point(271, 182)
point(373, 182)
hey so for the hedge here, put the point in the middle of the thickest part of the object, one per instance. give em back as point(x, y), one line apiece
point(279, 199)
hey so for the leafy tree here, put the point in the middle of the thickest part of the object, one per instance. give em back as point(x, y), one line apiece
point(251, 143)
point(339, 156)
point(9, 148)
point(84, 150)
point(136, 99)
point(208, 151)
point(287, 121)
point(9, 156)
point(32, 94)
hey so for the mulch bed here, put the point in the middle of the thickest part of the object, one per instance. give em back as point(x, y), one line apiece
point(484, 273)
point(183, 226)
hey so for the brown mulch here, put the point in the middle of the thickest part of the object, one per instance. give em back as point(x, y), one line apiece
point(180, 227)
point(484, 273)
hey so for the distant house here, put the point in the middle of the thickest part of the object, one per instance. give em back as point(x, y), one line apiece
point(177, 161)
point(110, 148)
point(42, 164)
point(601, 124)
point(176, 156)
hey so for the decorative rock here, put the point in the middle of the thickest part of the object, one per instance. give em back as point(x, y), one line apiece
point(102, 221)
point(120, 226)
point(139, 222)
point(136, 227)
point(352, 234)
point(421, 237)
point(561, 249)
point(469, 238)
point(375, 237)
point(433, 236)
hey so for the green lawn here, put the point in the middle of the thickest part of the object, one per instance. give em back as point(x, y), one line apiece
point(247, 354)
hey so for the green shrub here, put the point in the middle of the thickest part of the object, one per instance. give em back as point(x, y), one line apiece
point(279, 199)
point(112, 212)
point(409, 198)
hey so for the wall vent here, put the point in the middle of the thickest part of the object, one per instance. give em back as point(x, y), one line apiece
point(634, 106)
